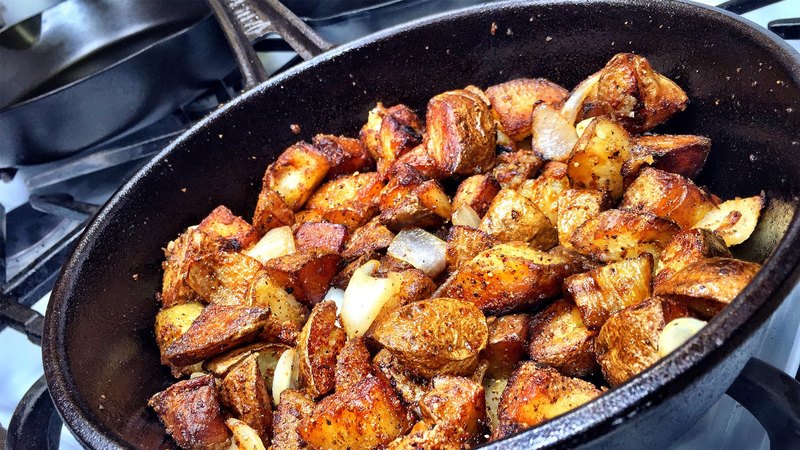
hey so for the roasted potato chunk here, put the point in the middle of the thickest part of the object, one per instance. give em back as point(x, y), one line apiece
point(330, 237)
point(536, 393)
point(515, 167)
point(508, 337)
point(477, 191)
point(229, 231)
point(409, 385)
point(735, 220)
point(265, 292)
point(370, 238)
point(307, 273)
point(456, 402)
point(510, 277)
point(513, 102)
point(455, 333)
point(413, 202)
point(244, 392)
point(686, 248)
point(412, 285)
point(559, 338)
point(292, 409)
point(628, 341)
point(180, 253)
point(172, 322)
point(345, 155)
point(708, 285)
point(684, 155)
point(417, 160)
point(574, 207)
point(296, 174)
point(617, 234)
point(391, 132)
point(602, 292)
point(317, 347)
point(366, 416)
point(352, 364)
point(349, 200)
point(267, 354)
point(463, 244)
point(457, 149)
point(224, 277)
point(596, 161)
point(669, 196)
point(217, 329)
point(271, 212)
point(512, 217)
point(429, 436)
point(545, 190)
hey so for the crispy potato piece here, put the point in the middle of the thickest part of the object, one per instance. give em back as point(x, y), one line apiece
point(229, 231)
point(265, 292)
point(292, 409)
point(512, 217)
point(735, 220)
point(454, 333)
point(574, 207)
point(602, 292)
point(352, 364)
point(224, 277)
point(553, 136)
point(350, 200)
point(456, 402)
point(477, 191)
point(510, 277)
point(389, 133)
point(536, 393)
point(271, 212)
point(684, 155)
point(508, 336)
point(330, 237)
point(190, 411)
point(457, 149)
point(296, 174)
point(369, 132)
point(708, 285)
point(307, 273)
point(686, 248)
point(546, 190)
point(429, 436)
point(596, 161)
point(515, 167)
point(411, 201)
point(630, 91)
point(513, 102)
point(367, 416)
point(669, 196)
point(409, 385)
point(559, 338)
point(172, 322)
point(221, 364)
point(463, 244)
point(370, 238)
point(416, 160)
point(628, 342)
point(317, 347)
point(217, 329)
point(345, 155)
point(618, 234)
point(180, 253)
point(244, 392)
point(306, 216)
point(412, 285)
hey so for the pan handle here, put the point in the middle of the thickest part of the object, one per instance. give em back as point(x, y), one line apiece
point(35, 423)
point(243, 21)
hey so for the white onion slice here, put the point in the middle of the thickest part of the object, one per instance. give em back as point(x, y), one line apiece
point(465, 216)
point(276, 243)
point(493, 391)
point(286, 374)
point(573, 104)
point(364, 298)
point(676, 333)
point(337, 296)
point(244, 437)
point(552, 136)
point(421, 249)
point(581, 126)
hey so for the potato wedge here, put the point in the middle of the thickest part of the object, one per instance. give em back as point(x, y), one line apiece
point(602, 292)
point(172, 322)
point(735, 220)
point(307, 273)
point(349, 200)
point(553, 136)
point(596, 161)
point(477, 191)
point(463, 244)
point(329, 237)
point(546, 190)
point(686, 248)
point(317, 347)
point(513, 102)
point(367, 239)
point(559, 338)
point(455, 332)
point(271, 212)
point(230, 232)
point(459, 403)
point(684, 155)
point(352, 364)
point(224, 277)
point(574, 207)
point(617, 234)
point(628, 342)
point(292, 409)
point(512, 217)
point(708, 285)
point(410, 386)
point(669, 196)
point(296, 174)
point(508, 337)
point(244, 392)
point(515, 167)
point(413, 202)
point(345, 155)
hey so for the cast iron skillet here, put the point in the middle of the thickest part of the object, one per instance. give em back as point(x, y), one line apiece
point(100, 357)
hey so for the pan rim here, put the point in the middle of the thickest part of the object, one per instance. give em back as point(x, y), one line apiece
point(594, 418)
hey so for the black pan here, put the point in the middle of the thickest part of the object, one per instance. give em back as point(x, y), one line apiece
point(100, 357)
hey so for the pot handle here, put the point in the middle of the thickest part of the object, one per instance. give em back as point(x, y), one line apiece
point(35, 423)
point(243, 21)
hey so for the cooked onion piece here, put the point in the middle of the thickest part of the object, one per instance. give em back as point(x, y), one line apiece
point(421, 249)
point(676, 333)
point(337, 296)
point(244, 437)
point(581, 126)
point(553, 135)
point(277, 242)
point(573, 104)
point(286, 374)
point(364, 297)
point(466, 216)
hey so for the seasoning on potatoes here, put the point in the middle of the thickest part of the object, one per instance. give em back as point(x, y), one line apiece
point(560, 339)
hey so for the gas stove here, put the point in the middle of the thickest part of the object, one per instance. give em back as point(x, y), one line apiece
point(45, 206)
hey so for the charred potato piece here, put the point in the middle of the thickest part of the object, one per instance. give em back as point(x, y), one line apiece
point(409, 385)
point(330, 237)
point(463, 244)
point(271, 212)
point(191, 413)
point(628, 342)
point(366, 416)
point(296, 174)
point(617, 234)
point(684, 155)
point(545, 190)
point(318, 345)
point(510, 277)
point(536, 393)
point(708, 285)
point(172, 322)
point(367, 239)
point(602, 292)
point(217, 329)
point(477, 191)
point(180, 253)
point(429, 436)
point(515, 167)
point(512, 217)
point(306, 216)
point(669, 196)
point(735, 220)
point(229, 231)
point(222, 364)
point(244, 392)
point(576, 206)
point(307, 273)
point(508, 337)
point(630, 91)
point(513, 102)
point(224, 277)
point(390, 132)
point(412, 285)
point(292, 409)
point(350, 200)
point(345, 155)
point(456, 402)
point(352, 364)
point(596, 161)
point(686, 248)
point(440, 336)
point(457, 149)
point(416, 160)
point(559, 338)
point(413, 202)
